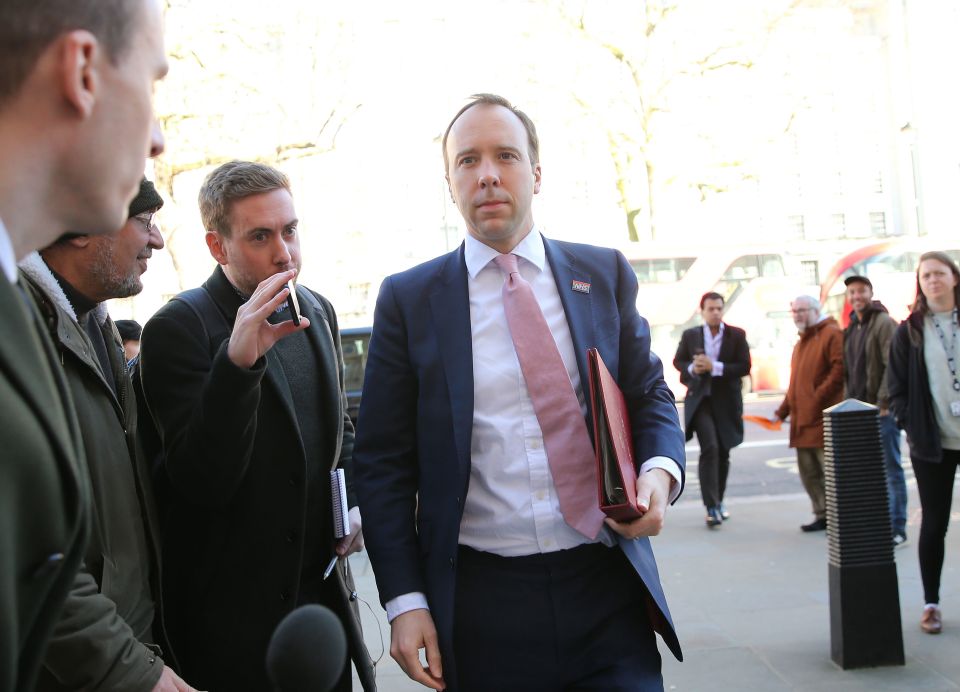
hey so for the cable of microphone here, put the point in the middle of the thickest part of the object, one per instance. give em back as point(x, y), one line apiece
point(307, 651)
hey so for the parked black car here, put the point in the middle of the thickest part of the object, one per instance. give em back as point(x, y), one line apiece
point(354, 342)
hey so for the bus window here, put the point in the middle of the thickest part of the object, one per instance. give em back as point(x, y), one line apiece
point(753, 266)
point(662, 270)
point(772, 266)
point(743, 269)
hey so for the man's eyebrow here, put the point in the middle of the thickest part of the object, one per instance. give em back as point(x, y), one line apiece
point(464, 152)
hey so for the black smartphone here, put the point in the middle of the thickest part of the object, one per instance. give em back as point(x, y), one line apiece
point(293, 303)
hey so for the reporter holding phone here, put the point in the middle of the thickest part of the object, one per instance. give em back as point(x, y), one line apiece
point(924, 387)
point(251, 410)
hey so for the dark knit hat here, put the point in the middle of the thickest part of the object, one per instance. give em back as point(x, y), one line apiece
point(129, 329)
point(148, 198)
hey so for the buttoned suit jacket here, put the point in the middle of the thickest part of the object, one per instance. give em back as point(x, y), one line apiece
point(236, 466)
point(725, 391)
point(412, 456)
point(44, 495)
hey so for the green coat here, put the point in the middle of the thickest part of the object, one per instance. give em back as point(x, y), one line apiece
point(880, 330)
point(100, 644)
point(44, 498)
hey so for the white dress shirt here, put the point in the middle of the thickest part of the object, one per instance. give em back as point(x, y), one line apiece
point(8, 261)
point(511, 508)
point(711, 348)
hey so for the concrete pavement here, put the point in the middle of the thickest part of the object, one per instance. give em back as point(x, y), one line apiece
point(751, 604)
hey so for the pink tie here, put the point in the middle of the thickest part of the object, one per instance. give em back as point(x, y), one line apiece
point(565, 435)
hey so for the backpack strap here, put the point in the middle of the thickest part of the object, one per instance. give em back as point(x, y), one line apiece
point(201, 304)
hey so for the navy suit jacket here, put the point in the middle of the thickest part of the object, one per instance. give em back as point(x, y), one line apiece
point(412, 453)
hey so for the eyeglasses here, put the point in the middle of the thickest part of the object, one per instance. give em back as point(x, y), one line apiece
point(146, 218)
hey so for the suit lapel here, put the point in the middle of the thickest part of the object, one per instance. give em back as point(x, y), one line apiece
point(577, 306)
point(22, 350)
point(450, 308)
point(28, 360)
point(723, 355)
point(328, 368)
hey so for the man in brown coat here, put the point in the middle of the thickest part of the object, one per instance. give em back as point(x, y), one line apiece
point(816, 383)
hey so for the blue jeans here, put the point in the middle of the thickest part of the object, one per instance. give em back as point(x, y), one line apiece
point(896, 485)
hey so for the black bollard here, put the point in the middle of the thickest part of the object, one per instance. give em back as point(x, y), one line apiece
point(865, 627)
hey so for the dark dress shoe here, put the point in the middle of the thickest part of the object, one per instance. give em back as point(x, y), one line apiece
point(713, 517)
point(724, 514)
point(815, 525)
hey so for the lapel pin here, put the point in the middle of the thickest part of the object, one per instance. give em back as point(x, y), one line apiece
point(581, 286)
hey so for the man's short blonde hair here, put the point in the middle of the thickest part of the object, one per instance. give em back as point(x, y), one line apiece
point(232, 181)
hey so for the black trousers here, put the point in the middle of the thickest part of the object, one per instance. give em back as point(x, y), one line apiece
point(714, 463)
point(935, 486)
point(573, 620)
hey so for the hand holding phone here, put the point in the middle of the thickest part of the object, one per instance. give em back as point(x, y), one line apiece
point(293, 303)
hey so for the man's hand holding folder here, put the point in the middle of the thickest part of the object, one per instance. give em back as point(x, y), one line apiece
point(653, 491)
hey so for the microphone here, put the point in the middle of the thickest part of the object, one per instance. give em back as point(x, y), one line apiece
point(307, 651)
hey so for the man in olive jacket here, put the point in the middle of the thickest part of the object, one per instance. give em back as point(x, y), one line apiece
point(816, 383)
point(75, 126)
point(866, 351)
point(110, 637)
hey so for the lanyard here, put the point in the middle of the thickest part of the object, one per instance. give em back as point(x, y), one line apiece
point(951, 360)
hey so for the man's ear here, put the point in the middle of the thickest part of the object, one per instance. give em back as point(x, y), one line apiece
point(79, 54)
point(536, 178)
point(215, 245)
point(80, 241)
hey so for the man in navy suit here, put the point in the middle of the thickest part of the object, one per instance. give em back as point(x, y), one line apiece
point(473, 558)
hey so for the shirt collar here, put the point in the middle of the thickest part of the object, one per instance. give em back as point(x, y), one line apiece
point(707, 332)
point(477, 255)
point(8, 261)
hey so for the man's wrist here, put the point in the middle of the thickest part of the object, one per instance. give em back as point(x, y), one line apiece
point(404, 603)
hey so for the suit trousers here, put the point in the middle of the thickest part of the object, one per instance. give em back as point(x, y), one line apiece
point(810, 465)
point(714, 466)
point(571, 620)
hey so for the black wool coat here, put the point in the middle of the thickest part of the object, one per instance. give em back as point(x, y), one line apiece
point(725, 391)
point(234, 522)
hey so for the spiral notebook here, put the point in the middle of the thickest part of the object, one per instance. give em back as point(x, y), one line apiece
point(338, 496)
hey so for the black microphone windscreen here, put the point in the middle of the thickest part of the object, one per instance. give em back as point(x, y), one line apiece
point(307, 651)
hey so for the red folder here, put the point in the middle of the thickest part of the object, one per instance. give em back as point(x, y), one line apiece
point(613, 443)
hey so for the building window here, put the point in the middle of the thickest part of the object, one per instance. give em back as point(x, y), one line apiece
point(796, 227)
point(839, 222)
point(811, 272)
point(878, 223)
point(878, 183)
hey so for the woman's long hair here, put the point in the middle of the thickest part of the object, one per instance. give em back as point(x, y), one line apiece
point(920, 303)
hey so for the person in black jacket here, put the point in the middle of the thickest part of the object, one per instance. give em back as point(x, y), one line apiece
point(924, 388)
point(712, 360)
point(252, 417)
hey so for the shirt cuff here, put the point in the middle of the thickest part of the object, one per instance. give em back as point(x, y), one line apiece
point(668, 465)
point(690, 370)
point(717, 369)
point(405, 603)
